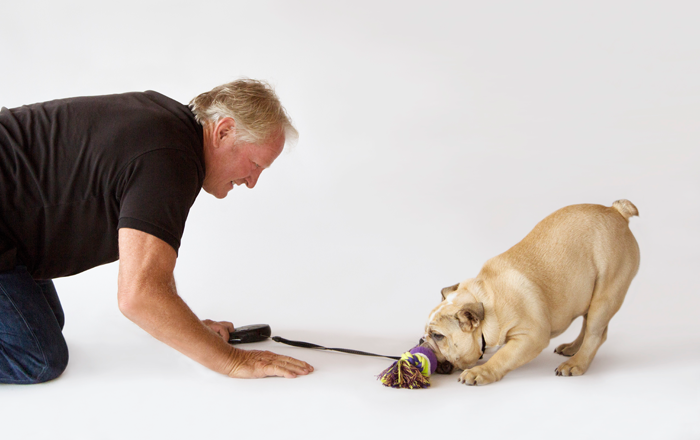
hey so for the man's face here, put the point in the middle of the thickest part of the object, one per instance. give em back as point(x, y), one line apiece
point(230, 162)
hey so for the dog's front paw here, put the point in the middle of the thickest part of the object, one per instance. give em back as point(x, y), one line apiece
point(567, 349)
point(481, 375)
point(570, 368)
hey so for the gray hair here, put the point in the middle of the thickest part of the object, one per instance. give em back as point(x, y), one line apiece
point(254, 106)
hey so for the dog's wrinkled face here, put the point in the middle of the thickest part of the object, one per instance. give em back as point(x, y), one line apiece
point(453, 330)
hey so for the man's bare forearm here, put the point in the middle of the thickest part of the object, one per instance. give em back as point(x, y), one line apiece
point(155, 306)
point(148, 297)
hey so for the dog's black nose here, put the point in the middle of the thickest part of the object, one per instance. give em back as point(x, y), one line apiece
point(444, 368)
point(420, 342)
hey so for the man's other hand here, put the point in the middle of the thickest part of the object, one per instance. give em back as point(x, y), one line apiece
point(223, 328)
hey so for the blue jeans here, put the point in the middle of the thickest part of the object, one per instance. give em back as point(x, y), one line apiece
point(32, 347)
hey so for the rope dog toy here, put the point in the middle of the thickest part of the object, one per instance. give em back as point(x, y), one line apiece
point(412, 370)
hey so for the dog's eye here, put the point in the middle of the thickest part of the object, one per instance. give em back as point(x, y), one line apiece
point(437, 336)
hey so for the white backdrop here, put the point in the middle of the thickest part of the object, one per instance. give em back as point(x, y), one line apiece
point(433, 137)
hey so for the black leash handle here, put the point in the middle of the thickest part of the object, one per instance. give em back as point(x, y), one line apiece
point(318, 347)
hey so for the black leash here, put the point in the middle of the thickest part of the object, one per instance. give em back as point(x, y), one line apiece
point(318, 347)
point(260, 332)
point(345, 350)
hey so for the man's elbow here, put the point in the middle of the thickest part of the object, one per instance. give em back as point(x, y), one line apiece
point(140, 297)
point(128, 301)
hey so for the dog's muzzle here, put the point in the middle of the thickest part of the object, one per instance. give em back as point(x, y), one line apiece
point(444, 367)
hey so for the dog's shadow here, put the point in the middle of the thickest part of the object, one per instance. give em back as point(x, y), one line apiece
point(611, 359)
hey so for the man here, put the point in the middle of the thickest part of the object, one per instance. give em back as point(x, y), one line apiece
point(86, 181)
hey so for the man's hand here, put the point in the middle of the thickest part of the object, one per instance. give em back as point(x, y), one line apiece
point(249, 364)
point(224, 328)
point(252, 364)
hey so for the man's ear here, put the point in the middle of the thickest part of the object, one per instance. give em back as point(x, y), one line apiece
point(470, 316)
point(225, 127)
point(447, 290)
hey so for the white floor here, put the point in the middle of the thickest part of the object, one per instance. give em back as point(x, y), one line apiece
point(432, 138)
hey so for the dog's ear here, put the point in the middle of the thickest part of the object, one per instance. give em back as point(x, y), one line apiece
point(470, 316)
point(447, 290)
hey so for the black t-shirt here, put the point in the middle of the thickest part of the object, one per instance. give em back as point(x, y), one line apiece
point(73, 171)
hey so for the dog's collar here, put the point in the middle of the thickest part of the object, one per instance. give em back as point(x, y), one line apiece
point(483, 345)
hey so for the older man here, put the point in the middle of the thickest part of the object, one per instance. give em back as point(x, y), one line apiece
point(87, 181)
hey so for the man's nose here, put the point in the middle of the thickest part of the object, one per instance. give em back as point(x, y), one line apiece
point(253, 179)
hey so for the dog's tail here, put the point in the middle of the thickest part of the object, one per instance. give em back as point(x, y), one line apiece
point(626, 208)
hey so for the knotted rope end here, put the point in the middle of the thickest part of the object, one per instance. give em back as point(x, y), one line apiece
point(412, 370)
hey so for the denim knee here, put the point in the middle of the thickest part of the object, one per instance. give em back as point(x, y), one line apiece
point(32, 347)
point(56, 363)
point(32, 368)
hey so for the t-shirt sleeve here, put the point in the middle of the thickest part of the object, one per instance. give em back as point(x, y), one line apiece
point(157, 190)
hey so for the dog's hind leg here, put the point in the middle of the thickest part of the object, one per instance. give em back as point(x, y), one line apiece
point(571, 348)
point(607, 300)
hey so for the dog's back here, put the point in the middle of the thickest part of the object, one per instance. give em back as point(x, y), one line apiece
point(571, 250)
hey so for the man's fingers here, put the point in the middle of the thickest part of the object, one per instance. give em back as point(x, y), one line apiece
point(223, 328)
point(290, 367)
point(224, 332)
point(285, 366)
point(279, 371)
point(265, 363)
point(296, 365)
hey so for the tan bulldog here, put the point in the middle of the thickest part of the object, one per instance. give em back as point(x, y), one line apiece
point(579, 261)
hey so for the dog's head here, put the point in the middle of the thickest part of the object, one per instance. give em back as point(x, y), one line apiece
point(453, 330)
